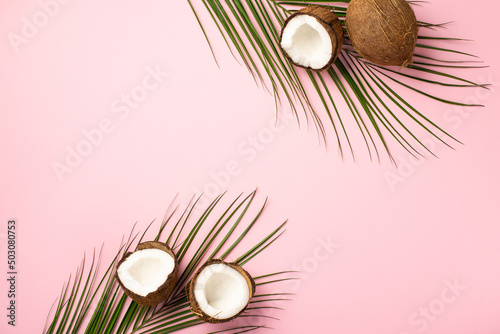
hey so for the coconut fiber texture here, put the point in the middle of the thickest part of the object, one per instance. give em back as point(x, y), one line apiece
point(383, 31)
point(164, 290)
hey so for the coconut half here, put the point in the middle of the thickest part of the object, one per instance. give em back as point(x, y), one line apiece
point(220, 291)
point(312, 38)
point(149, 274)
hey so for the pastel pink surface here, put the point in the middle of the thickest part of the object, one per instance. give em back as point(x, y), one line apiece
point(374, 254)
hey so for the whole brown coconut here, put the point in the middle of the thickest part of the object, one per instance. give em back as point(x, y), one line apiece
point(383, 31)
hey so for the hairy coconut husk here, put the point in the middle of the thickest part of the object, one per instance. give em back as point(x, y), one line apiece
point(330, 22)
point(190, 287)
point(164, 291)
point(383, 31)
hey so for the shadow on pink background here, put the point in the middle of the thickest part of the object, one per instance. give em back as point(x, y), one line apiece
point(414, 250)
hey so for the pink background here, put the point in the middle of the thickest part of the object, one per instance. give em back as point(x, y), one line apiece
point(397, 247)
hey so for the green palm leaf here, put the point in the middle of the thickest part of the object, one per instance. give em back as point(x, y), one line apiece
point(380, 115)
point(93, 305)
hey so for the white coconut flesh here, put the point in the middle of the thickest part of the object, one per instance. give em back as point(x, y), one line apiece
point(307, 42)
point(144, 271)
point(221, 291)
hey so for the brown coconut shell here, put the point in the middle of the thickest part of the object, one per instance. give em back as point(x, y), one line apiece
point(330, 22)
point(195, 307)
point(383, 31)
point(164, 290)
